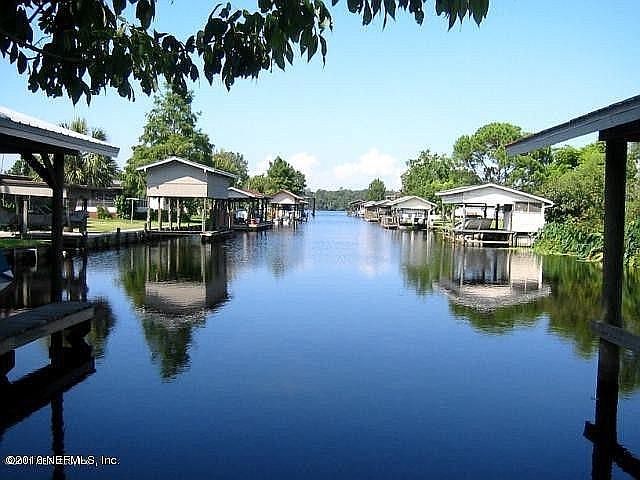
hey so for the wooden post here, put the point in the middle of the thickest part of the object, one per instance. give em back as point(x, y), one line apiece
point(24, 228)
point(204, 215)
point(612, 278)
point(170, 212)
point(614, 199)
point(56, 227)
point(148, 224)
point(160, 202)
point(179, 209)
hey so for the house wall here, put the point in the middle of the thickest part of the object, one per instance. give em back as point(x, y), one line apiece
point(413, 204)
point(283, 199)
point(218, 186)
point(177, 180)
point(528, 222)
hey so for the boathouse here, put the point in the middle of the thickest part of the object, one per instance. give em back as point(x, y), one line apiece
point(356, 208)
point(174, 179)
point(616, 124)
point(287, 207)
point(249, 209)
point(411, 211)
point(43, 146)
point(374, 210)
point(489, 209)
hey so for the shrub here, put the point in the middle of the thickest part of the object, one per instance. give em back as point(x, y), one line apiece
point(103, 213)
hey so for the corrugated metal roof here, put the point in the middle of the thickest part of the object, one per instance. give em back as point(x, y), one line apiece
point(614, 115)
point(247, 193)
point(17, 125)
point(409, 197)
point(206, 168)
point(471, 188)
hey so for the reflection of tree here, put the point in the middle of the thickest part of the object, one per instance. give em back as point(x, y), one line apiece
point(499, 290)
point(574, 302)
point(286, 250)
point(169, 342)
point(174, 285)
point(421, 260)
point(501, 320)
point(101, 326)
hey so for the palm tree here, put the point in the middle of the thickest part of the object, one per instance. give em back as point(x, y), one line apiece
point(89, 168)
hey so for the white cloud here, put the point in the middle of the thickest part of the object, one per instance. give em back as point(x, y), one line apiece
point(262, 166)
point(357, 174)
point(304, 162)
point(372, 164)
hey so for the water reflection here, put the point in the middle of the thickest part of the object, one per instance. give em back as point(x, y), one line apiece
point(71, 361)
point(604, 432)
point(499, 290)
point(175, 285)
point(32, 284)
point(487, 279)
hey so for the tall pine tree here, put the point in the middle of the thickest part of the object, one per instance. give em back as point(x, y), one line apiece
point(171, 130)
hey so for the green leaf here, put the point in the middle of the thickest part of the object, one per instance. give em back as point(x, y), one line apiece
point(367, 16)
point(145, 11)
point(22, 62)
point(118, 6)
point(313, 47)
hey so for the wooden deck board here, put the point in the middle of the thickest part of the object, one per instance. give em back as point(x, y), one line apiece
point(25, 327)
point(616, 335)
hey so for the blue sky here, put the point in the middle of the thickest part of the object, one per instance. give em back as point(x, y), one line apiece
point(384, 95)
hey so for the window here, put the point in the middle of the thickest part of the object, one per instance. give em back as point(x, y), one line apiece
point(535, 207)
point(521, 206)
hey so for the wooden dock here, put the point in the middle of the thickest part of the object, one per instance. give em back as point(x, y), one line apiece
point(208, 237)
point(616, 335)
point(26, 327)
point(490, 237)
point(252, 227)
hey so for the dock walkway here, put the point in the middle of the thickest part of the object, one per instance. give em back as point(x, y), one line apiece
point(25, 327)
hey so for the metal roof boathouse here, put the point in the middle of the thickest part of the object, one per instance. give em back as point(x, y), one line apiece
point(43, 145)
point(616, 125)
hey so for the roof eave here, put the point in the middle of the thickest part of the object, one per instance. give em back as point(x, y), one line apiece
point(612, 116)
point(56, 139)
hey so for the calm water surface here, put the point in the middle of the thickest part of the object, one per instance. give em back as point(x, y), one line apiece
point(335, 350)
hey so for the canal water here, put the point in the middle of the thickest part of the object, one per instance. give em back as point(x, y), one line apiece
point(333, 350)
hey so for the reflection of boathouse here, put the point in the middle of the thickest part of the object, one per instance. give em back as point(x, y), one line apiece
point(175, 285)
point(488, 279)
point(183, 280)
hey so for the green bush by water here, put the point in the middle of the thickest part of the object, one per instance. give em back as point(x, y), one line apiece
point(586, 241)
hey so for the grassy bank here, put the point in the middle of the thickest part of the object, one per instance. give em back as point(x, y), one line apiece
point(586, 241)
point(111, 225)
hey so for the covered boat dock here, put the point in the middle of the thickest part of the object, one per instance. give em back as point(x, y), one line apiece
point(616, 125)
point(494, 214)
point(172, 181)
point(44, 146)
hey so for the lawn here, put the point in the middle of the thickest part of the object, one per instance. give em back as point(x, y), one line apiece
point(110, 225)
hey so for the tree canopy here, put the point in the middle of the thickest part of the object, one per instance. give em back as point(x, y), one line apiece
point(81, 48)
point(282, 176)
point(484, 152)
point(232, 162)
point(431, 173)
point(376, 190)
point(171, 129)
